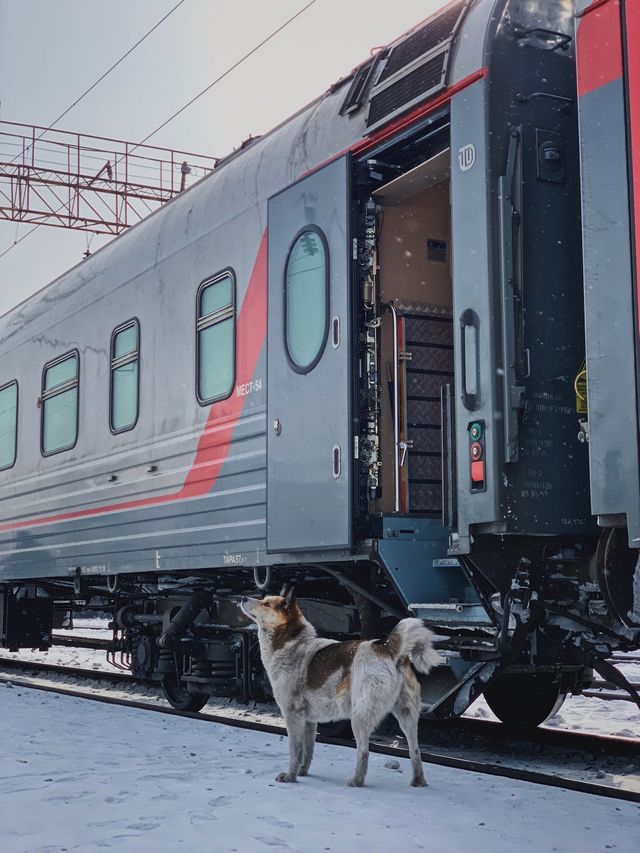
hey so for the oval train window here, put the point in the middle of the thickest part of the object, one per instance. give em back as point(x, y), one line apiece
point(306, 299)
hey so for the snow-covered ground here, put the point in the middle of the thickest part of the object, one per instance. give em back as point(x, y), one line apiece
point(79, 776)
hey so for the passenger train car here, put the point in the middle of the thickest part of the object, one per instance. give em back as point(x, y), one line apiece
point(355, 358)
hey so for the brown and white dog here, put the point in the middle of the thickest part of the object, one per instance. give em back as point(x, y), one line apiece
point(316, 680)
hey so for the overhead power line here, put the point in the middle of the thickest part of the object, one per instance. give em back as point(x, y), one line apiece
point(84, 95)
point(229, 70)
point(208, 88)
point(108, 71)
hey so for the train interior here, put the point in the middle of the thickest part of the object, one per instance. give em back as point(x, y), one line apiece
point(416, 370)
point(414, 256)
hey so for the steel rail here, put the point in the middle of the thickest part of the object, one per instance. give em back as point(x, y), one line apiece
point(495, 731)
point(600, 689)
point(551, 737)
point(430, 757)
point(97, 643)
point(607, 695)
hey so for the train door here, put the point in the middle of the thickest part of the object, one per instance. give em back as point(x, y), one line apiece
point(309, 367)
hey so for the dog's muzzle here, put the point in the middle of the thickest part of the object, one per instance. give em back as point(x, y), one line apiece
point(245, 606)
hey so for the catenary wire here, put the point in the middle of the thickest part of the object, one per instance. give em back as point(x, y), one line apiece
point(228, 71)
point(224, 74)
point(106, 73)
point(80, 98)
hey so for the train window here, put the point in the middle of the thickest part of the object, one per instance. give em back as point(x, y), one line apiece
point(8, 424)
point(215, 338)
point(60, 404)
point(307, 299)
point(125, 376)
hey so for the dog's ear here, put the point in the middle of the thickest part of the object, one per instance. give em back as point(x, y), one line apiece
point(283, 591)
point(289, 600)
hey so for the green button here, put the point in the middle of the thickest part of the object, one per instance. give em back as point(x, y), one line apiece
point(475, 431)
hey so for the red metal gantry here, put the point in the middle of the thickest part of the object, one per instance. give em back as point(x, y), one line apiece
point(84, 182)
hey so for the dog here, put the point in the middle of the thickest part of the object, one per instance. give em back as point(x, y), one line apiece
point(316, 680)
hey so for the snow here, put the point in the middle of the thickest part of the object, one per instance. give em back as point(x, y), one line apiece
point(81, 776)
point(88, 626)
point(66, 656)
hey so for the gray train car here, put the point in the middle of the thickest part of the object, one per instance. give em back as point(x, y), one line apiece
point(346, 359)
point(608, 54)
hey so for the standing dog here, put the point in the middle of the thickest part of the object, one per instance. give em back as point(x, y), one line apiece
point(316, 680)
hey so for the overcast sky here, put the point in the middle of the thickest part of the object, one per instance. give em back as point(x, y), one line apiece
point(52, 50)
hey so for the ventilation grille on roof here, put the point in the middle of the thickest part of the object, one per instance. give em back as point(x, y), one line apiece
point(422, 41)
point(358, 89)
point(406, 90)
point(415, 68)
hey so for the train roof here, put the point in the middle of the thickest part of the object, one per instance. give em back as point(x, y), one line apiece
point(438, 54)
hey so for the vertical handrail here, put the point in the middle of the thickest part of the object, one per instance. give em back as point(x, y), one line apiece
point(396, 412)
point(449, 488)
point(512, 392)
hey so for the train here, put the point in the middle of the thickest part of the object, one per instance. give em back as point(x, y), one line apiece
point(386, 353)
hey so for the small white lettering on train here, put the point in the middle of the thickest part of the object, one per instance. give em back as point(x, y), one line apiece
point(246, 388)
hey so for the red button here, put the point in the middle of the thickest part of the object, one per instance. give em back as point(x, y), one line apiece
point(476, 450)
point(477, 472)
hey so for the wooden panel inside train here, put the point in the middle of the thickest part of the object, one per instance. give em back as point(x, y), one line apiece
point(414, 254)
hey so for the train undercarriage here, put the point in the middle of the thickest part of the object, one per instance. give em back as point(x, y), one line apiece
point(540, 641)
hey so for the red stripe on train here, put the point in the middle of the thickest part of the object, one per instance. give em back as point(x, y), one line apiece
point(215, 441)
point(599, 46)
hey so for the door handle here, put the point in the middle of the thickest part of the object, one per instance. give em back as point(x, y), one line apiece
point(469, 328)
point(337, 461)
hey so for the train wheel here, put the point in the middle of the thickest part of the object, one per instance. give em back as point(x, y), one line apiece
point(179, 697)
point(616, 574)
point(524, 700)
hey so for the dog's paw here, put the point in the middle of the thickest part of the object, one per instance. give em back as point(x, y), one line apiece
point(420, 782)
point(303, 771)
point(355, 783)
point(286, 777)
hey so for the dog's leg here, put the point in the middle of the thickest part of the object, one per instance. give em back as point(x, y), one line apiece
point(310, 730)
point(407, 713)
point(295, 731)
point(409, 725)
point(361, 730)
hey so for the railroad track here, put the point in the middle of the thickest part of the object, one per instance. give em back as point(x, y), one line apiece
point(96, 643)
point(600, 689)
point(470, 736)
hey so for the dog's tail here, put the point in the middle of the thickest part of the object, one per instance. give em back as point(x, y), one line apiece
point(410, 638)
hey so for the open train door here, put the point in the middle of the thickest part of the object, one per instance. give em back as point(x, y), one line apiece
point(309, 365)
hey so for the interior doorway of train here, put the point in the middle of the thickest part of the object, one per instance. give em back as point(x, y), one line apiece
point(409, 189)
